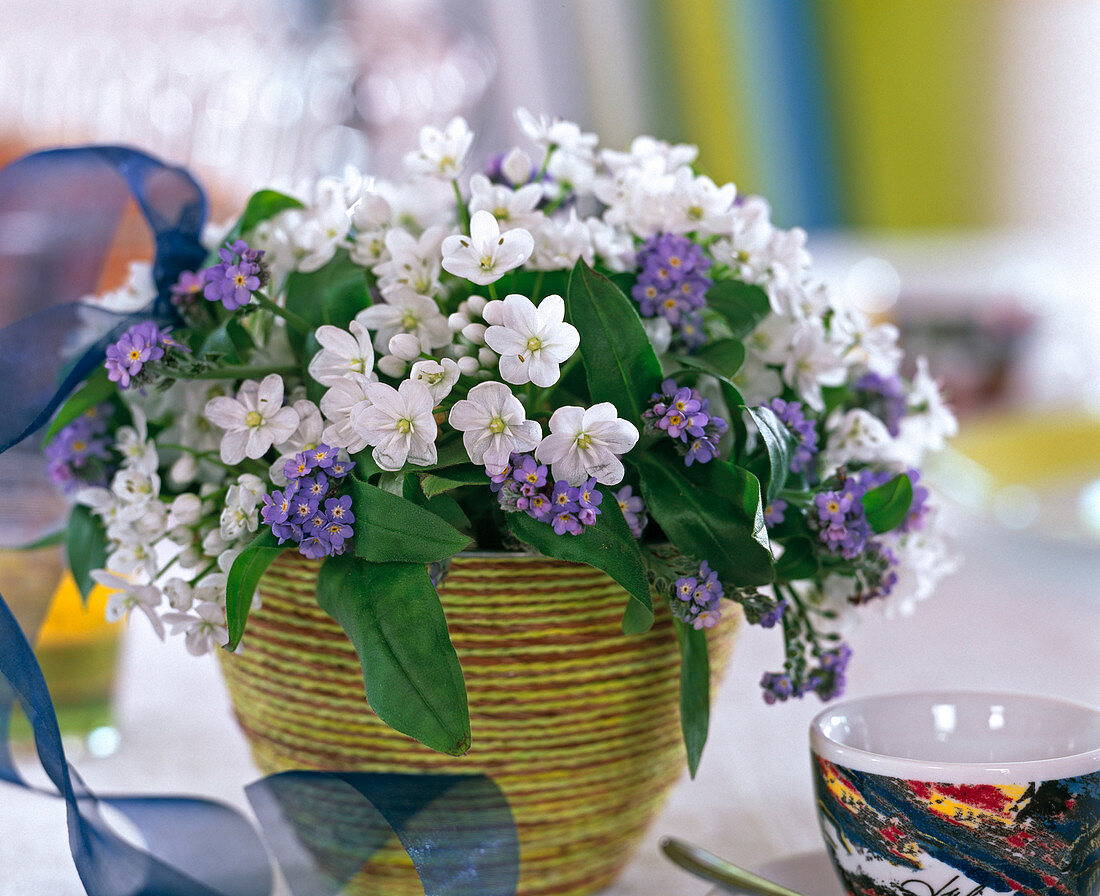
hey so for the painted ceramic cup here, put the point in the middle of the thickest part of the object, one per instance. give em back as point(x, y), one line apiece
point(960, 794)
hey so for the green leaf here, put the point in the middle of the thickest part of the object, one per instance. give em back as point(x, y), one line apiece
point(244, 578)
point(741, 304)
point(227, 340)
point(452, 478)
point(721, 359)
point(711, 511)
point(694, 691)
point(608, 545)
point(96, 390)
point(411, 674)
point(332, 295)
point(778, 441)
point(443, 506)
point(391, 528)
point(618, 358)
point(799, 561)
point(888, 505)
point(262, 205)
point(86, 547)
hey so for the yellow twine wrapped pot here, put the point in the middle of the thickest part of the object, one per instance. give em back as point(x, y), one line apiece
point(577, 723)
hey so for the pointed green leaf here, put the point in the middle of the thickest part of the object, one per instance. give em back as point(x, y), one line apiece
point(85, 546)
point(741, 304)
point(711, 511)
point(262, 205)
point(389, 528)
point(332, 295)
point(888, 505)
point(244, 578)
point(96, 390)
point(721, 359)
point(411, 674)
point(778, 441)
point(451, 478)
point(694, 691)
point(618, 358)
point(608, 545)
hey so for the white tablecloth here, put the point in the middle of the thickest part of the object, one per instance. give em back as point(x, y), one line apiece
point(1021, 614)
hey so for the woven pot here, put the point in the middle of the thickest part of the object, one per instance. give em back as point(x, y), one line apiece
point(577, 723)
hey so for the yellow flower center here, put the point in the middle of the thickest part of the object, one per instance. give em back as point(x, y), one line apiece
point(534, 344)
point(584, 440)
point(404, 425)
point(409, 321)
point(497, 425)
point(135, 354)
point(253, 418)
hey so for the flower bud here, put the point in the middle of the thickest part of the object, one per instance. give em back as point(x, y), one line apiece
point(468, 366)
point(475, 304)
point(475, 333)
point(391, 365)
point(405, 346)
point(184, 470)
point(487, 357)
point(185, 510)
point(457, 321)
point(517, 167)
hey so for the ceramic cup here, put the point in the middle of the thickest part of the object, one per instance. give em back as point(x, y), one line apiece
point(960, 794)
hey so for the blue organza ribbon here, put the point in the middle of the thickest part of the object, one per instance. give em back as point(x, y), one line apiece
point(59, 213)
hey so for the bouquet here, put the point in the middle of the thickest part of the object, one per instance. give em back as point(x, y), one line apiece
point(600, 356)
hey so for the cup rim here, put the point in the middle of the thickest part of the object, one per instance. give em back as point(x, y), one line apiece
point(978, 772)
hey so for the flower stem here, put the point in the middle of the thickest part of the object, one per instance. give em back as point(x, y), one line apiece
point(493, 291)
point(463, 212)
point(295, 320)
point(232, 373)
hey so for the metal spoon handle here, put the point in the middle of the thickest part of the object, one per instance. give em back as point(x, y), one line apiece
point(718, 871)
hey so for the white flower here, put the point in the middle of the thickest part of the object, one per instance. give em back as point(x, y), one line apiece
point(931, 422)
point(486, 254)
point(510, 208)
point(399, 424)
point(129, 595)
point(438, 376)
point(856, 435)
point(372, 217)
point(240, 513)
point(133, 443)
point(338, 404)
point(560, 242)
point(493, 425)
point(532, 342)
point(179, 594)
point(211, 588)
point(201, 630)
point(875, 346)
point(254, 420)
point(135, 488)
point(811, 363)
point(342, 352)
point(558, 133)
point(405, 311)
point(411, 262)
point(442, 154)
point(584, 443)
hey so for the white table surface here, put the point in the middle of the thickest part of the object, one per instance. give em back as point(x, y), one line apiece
point(1020, 614)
